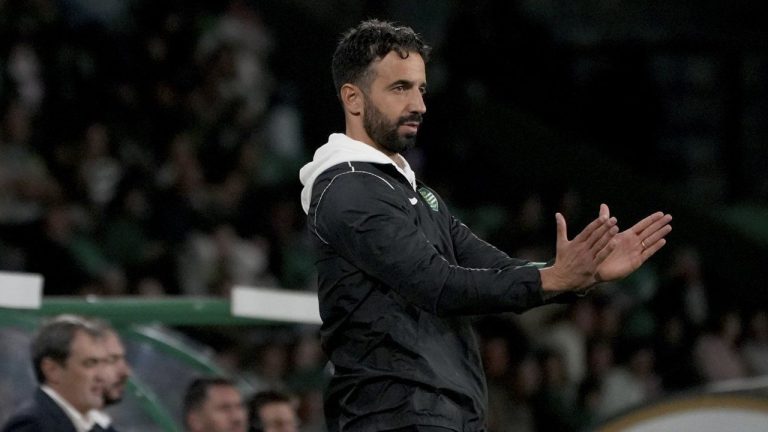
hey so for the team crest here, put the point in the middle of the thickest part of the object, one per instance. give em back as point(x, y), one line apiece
point(429, 197)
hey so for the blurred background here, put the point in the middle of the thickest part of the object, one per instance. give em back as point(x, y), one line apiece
point(151, 149)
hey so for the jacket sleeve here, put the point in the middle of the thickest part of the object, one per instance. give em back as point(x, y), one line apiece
point(471, 251)
point(23, 424)
point(366, 221)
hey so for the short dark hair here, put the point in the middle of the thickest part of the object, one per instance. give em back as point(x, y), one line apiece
point(261, 399)
point(197, 392)
point(54, 340)
point(370, 40)
point(265, 397)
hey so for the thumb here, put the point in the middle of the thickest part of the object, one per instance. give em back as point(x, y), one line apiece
point(604, 211)
point(562, 229)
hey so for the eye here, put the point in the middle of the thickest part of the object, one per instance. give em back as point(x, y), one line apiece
point(399, 88)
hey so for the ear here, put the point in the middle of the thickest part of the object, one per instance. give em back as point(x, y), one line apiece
point(352, 98)
point(51, 370)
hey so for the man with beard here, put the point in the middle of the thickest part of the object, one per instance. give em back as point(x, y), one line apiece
point(399, 276)
point(117, 372)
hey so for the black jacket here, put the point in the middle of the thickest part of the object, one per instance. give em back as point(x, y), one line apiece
point(41, 414)
point(399, 279)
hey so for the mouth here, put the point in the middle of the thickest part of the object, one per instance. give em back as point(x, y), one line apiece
point(411, 127)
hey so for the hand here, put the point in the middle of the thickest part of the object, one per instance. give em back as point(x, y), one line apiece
point(632, 247)
point(577, 260)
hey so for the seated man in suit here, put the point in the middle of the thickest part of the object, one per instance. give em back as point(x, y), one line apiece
point(68, 356)
point(214, 404)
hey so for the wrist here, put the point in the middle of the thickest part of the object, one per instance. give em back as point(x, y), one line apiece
point(551, 281)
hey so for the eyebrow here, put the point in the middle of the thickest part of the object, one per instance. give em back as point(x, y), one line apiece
point(407, 83)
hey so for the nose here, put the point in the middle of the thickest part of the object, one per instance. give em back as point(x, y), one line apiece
point(417, 102)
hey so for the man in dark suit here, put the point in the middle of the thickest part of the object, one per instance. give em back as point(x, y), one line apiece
point(68, 355)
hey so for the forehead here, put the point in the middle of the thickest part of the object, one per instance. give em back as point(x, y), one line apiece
point(112, 343)
point(222, 394)
point(393, 68)
point(86, 345)
point(276, 409)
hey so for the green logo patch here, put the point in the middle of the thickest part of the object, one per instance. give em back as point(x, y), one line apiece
point(429, 197)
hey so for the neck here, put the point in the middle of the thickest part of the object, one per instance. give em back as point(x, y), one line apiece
point(360, 135)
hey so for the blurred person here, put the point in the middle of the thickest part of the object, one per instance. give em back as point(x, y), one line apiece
point(569, 337)
point(272, 411)
point(270, 367)
point(68, 256)
point(399, 276)
point(214, 262)
point(509, 386)
point(117, 373)
point(554, 403)
point(674, 354)
point(68, 356)
point(684, 290)
point(243, 34)
point(755, 347)
point(716, 353)
point(26, 185)
point(99, 172)
point(631, 383)
point(214, 404)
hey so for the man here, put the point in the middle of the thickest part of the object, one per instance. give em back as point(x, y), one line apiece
point(214, 405)
point(117, 372)
point(272, 411)
point(68, 357)
point(399, 276)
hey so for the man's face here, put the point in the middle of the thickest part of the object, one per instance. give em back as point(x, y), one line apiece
point(222, 411)
point(278, 417)
point(116, 368)
point(80, 380)
point(394, 102)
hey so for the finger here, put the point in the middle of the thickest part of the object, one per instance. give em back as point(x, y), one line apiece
point(600, 233)
point(604, 211)
point(652, 249)
point(603, 253)
point(562, 229)
point(605, 240)
point(655, 226)
point(657, 235)
point(646, 222)
point(589, 229)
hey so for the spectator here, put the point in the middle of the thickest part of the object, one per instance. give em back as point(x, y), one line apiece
point(272, 411)
point(716, 354)
point(117, 373)
point(68, 356)
point(214, 404)
point(756, 344)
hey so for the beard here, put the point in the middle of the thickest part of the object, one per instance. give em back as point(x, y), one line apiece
point(384, 132)
point(115, 393)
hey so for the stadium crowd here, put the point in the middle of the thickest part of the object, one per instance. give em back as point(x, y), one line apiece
point(150, 149)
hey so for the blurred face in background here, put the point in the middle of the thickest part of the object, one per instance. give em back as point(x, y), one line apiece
point(278, 417)
point(117, 370)
point(222, 411)
point(80, 379)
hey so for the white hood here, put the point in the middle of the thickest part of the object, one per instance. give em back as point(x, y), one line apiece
point(341, 148)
